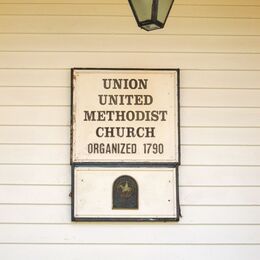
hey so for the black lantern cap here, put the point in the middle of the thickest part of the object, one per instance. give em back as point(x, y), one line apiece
point(151, 14)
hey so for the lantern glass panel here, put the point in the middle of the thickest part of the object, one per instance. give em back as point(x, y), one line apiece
point(143, 9)
point(150, 27)
point(164, 7)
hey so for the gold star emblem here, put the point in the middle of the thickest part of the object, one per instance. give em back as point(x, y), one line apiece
point(125, 188)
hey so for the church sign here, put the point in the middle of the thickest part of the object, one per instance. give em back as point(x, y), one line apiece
point(124, 118)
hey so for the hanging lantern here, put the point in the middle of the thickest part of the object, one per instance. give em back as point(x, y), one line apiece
point(151, 14)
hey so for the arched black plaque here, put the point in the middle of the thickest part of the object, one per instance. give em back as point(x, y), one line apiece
point(125, 193)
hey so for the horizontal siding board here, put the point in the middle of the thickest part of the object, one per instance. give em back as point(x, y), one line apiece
point(123, 9)
point(89, 24)
point(34, 96)
point(34, 77)
point(29, 194)
point(59, 116)
point(123, 233)
point(220, 136)
point(220, 215)
point(220, 196)
point(153, 43)
point(35, 154)
point(220, 97)
point(60, 214)
point(189, 78)
point(35, 174)
point(34, 194)
point(34, 135)
point(67, 60)
point(227, 117)
point(220, 79)
point(220, 11)
point(218, 155)
point(219, 176)
point(140, 252)
point(35, 214)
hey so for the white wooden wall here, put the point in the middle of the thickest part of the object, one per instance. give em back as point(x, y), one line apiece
point(215, 43)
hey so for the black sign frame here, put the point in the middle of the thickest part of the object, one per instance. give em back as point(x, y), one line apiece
point(125, 219)
point(126, 164)
point(102, 164)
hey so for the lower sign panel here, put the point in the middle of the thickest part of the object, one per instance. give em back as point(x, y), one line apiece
point(119, 194)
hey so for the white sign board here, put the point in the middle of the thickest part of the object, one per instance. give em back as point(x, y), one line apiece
point(125, 116)
point(155, 194)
